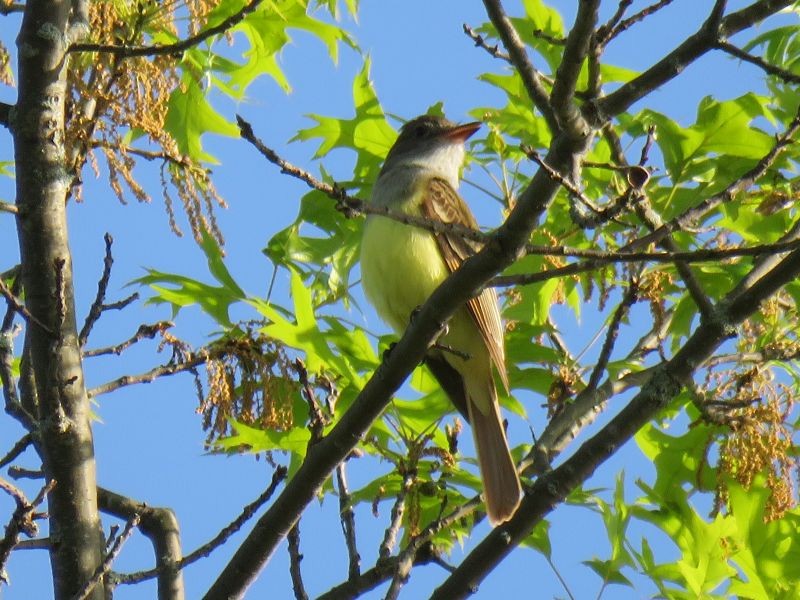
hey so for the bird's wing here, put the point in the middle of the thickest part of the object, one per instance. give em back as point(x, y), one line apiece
point(442, 203)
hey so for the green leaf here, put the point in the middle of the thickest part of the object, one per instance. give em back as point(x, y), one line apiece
point(190, 115)
point(294, 441)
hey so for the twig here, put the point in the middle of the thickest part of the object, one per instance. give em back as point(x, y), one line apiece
point(23, 520)
point(23, 473)
point(615, 27)
point(7, 207)
point(144, 332)
point(348, 520)
point(531, 78)
point(295, 557)
point(771, 69)
point(628, 300)
point(152, 155)
point(316, 419)
point(695, 289)
point(550, 39)
point(480, 42)
point(18, 448)
point(153, 374)
point(176, 48)
point(13, 406)
point(102, 285)
point(219, 539)
point(396, 521)
point(105, 566)
point(18, 307)
point(570, 187)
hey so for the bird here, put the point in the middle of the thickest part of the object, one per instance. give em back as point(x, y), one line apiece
point(401, 266)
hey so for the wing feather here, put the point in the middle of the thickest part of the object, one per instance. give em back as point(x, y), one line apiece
point(441, 202)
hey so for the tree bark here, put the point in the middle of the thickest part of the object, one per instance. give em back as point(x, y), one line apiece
point(64, 435)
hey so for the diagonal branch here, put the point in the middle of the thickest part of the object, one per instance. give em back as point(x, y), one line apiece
point(247, 512)
point(705, 39)
point(771, 69)
point(177, 47)
point(562, 100)
point(664, 384)
point(480, 42)
point(531, 78)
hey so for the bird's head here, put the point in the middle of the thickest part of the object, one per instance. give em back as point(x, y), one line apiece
point(432, 143)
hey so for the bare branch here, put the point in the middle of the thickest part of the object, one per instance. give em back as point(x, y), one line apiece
point(207, 548)
point(23, 520)
point(779, 72)
point(109, 559)
point(15, 304)
point(347, 517)
point(152, 374)
point(531, 78)
point(9, 208)
point(562, 99)
point(628, 300)
point(160, 526)
point(295, 557)
point(617, 25)
point(176, 48)
point(97, 306)
point(148, 332)
point(494, 51)
point(18, 448)
point(713, 29)
point(396, 521)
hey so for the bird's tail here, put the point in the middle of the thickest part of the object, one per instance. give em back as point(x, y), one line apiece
point(501, 485)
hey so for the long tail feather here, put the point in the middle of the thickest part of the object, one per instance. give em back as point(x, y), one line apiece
point(502, 490)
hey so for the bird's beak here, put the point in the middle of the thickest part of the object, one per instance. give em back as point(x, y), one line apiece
point(460, 133)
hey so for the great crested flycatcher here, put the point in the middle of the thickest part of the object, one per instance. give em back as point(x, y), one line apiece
point(401, 266)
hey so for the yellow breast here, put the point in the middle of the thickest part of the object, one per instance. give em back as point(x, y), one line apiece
point(400, 267)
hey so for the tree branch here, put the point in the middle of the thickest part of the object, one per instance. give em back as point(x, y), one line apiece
point(562, 99)
point(219, 539)
point(531, 78)
point(664, 383)
point(160, 526)
point(109, 559)
point(347, 517)
point(23, 520)
point(295, 558)
point(770, 69)
point(176, 48)
point(480, 42)
point(148, 332)
point(705, 39)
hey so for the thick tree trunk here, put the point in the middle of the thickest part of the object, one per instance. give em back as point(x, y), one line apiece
point(64, 436)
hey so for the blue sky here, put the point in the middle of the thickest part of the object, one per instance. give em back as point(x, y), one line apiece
point(149, 441)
